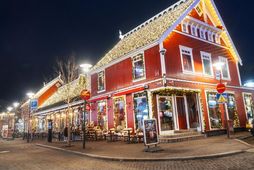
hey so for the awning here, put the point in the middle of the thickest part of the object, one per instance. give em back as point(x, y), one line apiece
point(129, 91)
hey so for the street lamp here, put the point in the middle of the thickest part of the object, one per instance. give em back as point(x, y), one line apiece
point(86, 68)
point(30, 96)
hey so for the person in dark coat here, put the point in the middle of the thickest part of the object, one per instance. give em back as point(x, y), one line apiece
point(65, 133)
point(252, 129)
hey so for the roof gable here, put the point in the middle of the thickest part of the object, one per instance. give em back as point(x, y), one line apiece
point(146, 33)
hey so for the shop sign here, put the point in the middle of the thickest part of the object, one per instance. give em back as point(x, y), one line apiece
point(85, 94)
point(221, 88)
point(222, 98)
point(150, 132)
point(34, 104)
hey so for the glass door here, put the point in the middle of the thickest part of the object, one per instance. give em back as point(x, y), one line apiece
point(166, 113)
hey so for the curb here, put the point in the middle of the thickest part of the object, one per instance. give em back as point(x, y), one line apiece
point(145, 159)
point(245, 143)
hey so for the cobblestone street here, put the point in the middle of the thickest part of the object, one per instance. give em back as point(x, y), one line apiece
point(28, 156)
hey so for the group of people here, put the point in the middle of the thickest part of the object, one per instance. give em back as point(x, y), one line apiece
point(75, 133)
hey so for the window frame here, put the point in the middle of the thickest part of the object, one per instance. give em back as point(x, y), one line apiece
point(221, 58)
point(202, 54)
point(210, 36)
point(203, 31)
point(133, 62)
point(192, 61)
point(196, 31)
point(187, 27)
point(217, 39)
point(98, 76)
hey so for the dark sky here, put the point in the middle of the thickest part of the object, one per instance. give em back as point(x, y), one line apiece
point(33, 33)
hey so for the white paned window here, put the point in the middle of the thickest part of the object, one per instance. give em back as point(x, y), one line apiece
point(101, 81)
point(194, 30)
point(207, 63)
point(185, 27)
point(217, 38)
point(202, 33)
point(138, 67)
point(210, 36)
point(187, 59)
point(225, 69)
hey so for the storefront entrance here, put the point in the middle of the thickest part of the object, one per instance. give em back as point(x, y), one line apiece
point(179, 112)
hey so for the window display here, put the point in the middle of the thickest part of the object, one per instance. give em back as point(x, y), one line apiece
point(214, 111)
point(249, 107)
point(102, 115)
point(119, 113)
point(166, 113)
point(140, 109)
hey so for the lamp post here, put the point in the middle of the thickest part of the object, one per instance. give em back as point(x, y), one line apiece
point(30, 96)
point(15, 105)
point(218, 67)
point(85, 67)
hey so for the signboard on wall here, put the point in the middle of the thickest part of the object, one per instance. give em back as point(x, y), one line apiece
point(34, 104)
point(150, 132)
point(222, 98)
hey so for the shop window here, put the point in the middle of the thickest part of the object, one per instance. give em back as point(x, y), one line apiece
point(207, 64)
point(138, 67)
point(225, 68)
point(119, 113)
point(102, 115)
point(140, 109)
point(101, 81)
point(214, 111)
point(185, 27)
point(187, 59)
point(248, 101)
point(232, 111)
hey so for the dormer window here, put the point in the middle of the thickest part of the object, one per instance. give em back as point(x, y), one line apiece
point(185, 27)
point(101, 81)
point(217, 38)
point(138, 67)
point(194, 30)
point(202, 33)
point(210, 36)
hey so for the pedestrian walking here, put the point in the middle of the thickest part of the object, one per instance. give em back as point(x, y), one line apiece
point(65, 133)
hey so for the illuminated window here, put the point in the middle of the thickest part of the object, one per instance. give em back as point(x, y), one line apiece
point(101, 81)
point(207, 63)
point(225, 68)
point(214, 111)
point(186, 59)
point(140, 109)
point(248, 101)
point(210, 36)
point(138, 67)
point(217, 38)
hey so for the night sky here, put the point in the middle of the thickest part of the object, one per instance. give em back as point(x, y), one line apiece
point(34, 33)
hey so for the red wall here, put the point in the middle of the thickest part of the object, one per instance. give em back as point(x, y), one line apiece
point(119, 75)
point(173, 58)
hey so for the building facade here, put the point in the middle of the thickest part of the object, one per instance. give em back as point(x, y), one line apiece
point(164, 69)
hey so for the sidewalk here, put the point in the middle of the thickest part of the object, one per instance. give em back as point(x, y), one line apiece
point(202, 148)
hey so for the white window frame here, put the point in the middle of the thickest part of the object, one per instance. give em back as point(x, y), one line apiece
point(202, 53)
point(202, 30)
point(186, 27)
point(99, 91)
point(191, 55)
point(226, 62)
point(217, 39)
point(132, 60)
point(210, 36)
point(195, 33)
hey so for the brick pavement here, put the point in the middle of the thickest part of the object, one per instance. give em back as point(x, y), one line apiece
point(28, 156)
point(208, 146)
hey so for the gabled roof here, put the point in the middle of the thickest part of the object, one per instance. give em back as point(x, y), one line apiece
point(74, 89)
point(146, 33)
point(157, 28)
point(44, 89)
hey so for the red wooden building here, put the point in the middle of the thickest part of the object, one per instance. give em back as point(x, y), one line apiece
point(164, 69)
